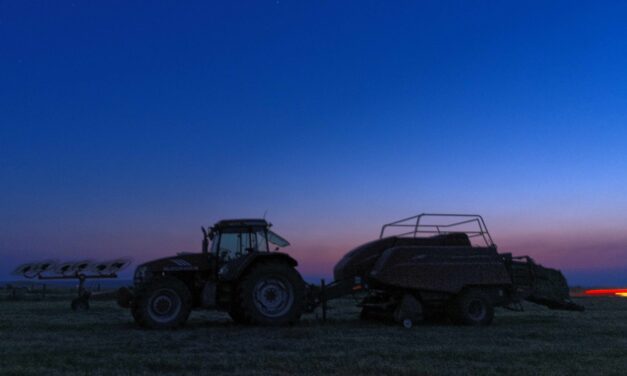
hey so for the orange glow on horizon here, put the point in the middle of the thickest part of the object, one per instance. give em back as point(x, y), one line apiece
point(612, 292)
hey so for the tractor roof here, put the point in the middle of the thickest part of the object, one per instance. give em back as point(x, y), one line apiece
point(242, 223)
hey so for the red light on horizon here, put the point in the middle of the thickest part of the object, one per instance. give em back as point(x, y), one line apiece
point(602, 292)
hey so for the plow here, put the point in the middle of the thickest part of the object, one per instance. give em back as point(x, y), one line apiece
point(79, 271)
point(425, 267)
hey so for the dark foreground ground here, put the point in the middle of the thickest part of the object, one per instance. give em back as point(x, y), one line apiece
point(45, 337)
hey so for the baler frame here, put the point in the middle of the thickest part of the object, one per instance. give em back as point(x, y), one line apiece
point(417, 227)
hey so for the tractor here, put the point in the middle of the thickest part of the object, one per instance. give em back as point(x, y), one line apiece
point(238, 274)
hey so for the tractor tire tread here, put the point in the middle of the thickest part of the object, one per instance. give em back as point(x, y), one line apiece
point(139, 309)
point(244, 303)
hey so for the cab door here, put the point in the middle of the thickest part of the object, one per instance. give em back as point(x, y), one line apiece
point(233, 244)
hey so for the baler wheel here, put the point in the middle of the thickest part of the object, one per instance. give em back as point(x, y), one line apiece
point(472, 308)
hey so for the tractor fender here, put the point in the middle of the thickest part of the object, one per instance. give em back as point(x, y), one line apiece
point(233, 270)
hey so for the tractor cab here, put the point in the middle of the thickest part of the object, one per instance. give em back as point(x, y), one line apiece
point(231, 239)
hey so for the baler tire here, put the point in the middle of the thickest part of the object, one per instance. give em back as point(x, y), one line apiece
point(262, 286)
point(472, 308)
point(175, 297)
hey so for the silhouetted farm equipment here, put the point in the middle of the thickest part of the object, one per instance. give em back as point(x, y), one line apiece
point(454, 271)
point(431, 266)
point(51, 270)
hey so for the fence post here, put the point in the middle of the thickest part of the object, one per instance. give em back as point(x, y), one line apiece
point(324, 300)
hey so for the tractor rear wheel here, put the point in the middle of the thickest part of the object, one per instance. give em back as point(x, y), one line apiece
point(472, 308)
point(271, 294)
point(164, 304)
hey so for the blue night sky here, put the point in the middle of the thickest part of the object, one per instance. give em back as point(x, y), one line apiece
point(124, 126)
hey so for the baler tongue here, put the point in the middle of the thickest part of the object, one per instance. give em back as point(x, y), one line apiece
point(544, 286)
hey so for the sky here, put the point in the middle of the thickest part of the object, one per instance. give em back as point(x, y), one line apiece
point(125, 126)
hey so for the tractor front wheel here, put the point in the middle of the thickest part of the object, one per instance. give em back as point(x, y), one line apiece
point(163, 304)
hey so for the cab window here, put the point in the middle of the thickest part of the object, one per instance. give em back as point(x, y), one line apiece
point(234, 245)
point(261, 241)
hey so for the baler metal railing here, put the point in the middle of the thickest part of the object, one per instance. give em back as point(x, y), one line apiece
point(454, 225)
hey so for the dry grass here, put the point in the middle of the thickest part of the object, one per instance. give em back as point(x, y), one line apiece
point(43, 337)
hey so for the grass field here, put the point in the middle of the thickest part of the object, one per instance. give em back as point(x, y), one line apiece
point(45, 337)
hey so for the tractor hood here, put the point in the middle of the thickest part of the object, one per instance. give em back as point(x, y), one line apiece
point(180, 262)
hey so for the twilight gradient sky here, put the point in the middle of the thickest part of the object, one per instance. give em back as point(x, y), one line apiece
point(125, 126)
